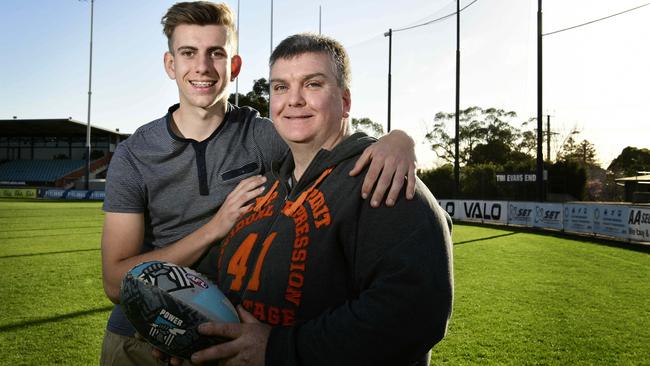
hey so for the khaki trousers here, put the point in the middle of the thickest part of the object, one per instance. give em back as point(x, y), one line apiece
point(119, 350)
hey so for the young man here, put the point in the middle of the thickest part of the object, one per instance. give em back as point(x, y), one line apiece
point(177, 185)
point(323, 278)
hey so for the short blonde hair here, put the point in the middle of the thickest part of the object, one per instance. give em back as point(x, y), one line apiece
point(199, 13)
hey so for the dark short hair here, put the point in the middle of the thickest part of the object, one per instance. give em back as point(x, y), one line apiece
point(301, 43)
point(199, 13)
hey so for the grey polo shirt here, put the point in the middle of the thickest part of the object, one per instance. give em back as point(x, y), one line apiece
point(178, 183)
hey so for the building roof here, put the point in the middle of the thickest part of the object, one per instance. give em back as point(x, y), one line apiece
point(60, 127)
point(638, 178)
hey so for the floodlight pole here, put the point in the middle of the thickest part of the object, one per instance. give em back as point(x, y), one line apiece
point(548, 137)
point(389, 34)
point(319, 20)
point(271, 52)
point(90, 79)
point(237, 79)
point(457, 129)
point(540, 153)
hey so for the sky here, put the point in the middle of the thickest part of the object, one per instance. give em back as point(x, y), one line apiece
point(595, 77)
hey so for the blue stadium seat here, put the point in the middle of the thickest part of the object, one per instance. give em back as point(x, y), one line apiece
point(38, 170)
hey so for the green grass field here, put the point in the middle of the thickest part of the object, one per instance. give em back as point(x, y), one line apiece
point(521, 298)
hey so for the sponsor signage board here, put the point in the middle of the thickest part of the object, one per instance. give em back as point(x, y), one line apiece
point(619, 221)
point(548, 215)
point(521, 213)
point(76, 195)
point(18, 192)
point(97, 195)
point(611, 220)
point(579, 217)
point(450, 207)
point(54, 193)
point(639, 224)
point(477, 211)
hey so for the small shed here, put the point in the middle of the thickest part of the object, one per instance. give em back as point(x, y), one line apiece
point(637, 189)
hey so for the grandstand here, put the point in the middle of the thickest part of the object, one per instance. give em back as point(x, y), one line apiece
point(38, 170)
point(52, 152)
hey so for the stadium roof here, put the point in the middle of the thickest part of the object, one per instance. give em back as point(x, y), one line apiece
point(50, 128)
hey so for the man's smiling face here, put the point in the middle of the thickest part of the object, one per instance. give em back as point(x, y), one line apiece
point(202, 64)
point(307, 104)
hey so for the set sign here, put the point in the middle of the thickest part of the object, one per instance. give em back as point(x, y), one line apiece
point(622, 221)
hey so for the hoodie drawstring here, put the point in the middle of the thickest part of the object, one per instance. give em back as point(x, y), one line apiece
point(260, 202)
point(291, 207)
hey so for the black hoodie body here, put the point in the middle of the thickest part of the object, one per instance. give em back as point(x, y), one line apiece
point(341, 283)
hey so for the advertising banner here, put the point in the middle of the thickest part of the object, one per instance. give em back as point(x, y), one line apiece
point(639, 224)
point(619, 221)
point(18, 192)
point(477, 211)
point(450, 207)
point(521, 213)
point(548, 215)
point(97, 195)
point(76, 194)
point(482, 211)
point(579, 217)
point(611, 220)
point(54, 193)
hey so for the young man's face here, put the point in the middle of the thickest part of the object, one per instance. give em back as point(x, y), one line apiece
point(307, 105)
point(202, 63)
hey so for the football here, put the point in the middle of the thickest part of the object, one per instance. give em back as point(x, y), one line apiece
point(166, 303)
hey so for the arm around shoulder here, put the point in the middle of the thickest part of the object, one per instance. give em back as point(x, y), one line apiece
point(391, 162)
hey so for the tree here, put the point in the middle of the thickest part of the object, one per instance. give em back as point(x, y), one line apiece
point(528, 141)
point(494, 151)
point(568, 177)
point(440, 181)
point(478, 181)
point(486, 136)
point(630, 161)
point(498, 127)
point(257, 98)
point(444, 145)
point(368, 126)
point(583, 152)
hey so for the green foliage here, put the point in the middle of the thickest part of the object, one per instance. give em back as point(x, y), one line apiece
point(486, 136)
point(479, 181)
point(368, 126)
point(440, 181)
point(257, 98)
point(630, 161)
point(569, 177)
point(495, 151)
point(584, 152)
point(489, 144)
